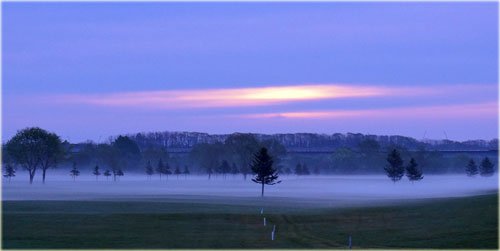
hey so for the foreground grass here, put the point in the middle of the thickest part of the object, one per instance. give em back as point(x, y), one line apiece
point(470, 223)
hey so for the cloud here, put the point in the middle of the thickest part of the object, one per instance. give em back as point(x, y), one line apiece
point(234, 97)
point(488, 109)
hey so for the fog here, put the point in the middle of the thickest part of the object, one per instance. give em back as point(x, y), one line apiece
point(340, 190)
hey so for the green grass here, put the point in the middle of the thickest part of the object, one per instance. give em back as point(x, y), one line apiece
point(470, 223)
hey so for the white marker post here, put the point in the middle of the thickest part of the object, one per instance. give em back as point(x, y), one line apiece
point(272, 233)
point(261, 211)
point(264, 221)
point(350, 242)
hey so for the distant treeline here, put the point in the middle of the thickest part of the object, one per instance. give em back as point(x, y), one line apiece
point(232, 156)
point(304, 142)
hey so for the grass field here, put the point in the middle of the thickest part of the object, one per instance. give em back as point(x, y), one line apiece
point(469, 222)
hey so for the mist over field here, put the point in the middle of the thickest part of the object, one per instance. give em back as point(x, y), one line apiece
point(332, 191)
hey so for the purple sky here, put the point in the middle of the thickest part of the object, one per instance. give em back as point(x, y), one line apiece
point(92, 70)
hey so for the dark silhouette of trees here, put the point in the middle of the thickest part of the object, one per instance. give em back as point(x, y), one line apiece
point(305, 170)
point(487, 168)
point(96, 172)
point(74, 172)
point(118, 173)
point(234, 169)
point(209, 172)
point(395, 169)
point(10, 171)
point(413, 172)
point(29, 148)
point(471, 168)
point(224, 168)
point(298, 169)
point(51, 154)
point(161, 168)
point(177, 171)
point(107, 173)
point(242, 146)
point(149, 170)
point(262, 166)
point(167, 170)
point(186, 172)
point(128, 152)
point(288, 171)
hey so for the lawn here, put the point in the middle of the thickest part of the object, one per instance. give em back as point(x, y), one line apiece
point(470, 222)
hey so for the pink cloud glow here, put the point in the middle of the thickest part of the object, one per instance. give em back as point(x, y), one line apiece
point(234, 97)
point(443, 111)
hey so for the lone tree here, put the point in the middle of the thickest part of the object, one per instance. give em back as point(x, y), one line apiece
point(149, 170)
point(107, 173)
point(10, 171)
point(412, 172)
point(487, 169)
point(96, 172)
point(395, 169)
point(74, 172)
point(262, 166)
point(471, 168)
point(34, 147)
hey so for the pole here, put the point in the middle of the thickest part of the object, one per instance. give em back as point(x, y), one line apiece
point(350, 242)
point(264, 221)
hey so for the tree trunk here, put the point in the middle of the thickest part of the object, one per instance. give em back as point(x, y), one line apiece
point(32, 175)
point(262, 194)
point(43, 175)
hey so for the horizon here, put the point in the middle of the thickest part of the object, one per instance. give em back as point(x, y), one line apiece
point(420, 70)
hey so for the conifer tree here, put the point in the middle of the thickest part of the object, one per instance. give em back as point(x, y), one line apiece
point(412, 171)
point(471, 168)
point(265, 173)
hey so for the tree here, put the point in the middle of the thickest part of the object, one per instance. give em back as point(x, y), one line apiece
point(74, 172)
point(288, 171)
point(471, 168)
point(242, 146)
point(298, 169)
point(161, 168)
point(234, 169)
point(167, 170)
point(149, 170)
point(185, 172)
point(395, 169)
point(487, 169)
point(52, 152)
point(128, 152)
point(305, 170)
point(107, 173)
point(209, 172)
point(27, 149)
point(412, 172)
point(225, 168)
point(119, 173)
point(262, 166)
point(10, 171)
point(177, 171)
point(96, 172)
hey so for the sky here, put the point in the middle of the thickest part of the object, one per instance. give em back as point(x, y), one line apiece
point(91, 70)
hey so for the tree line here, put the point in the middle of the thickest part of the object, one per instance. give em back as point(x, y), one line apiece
point(37, 150)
